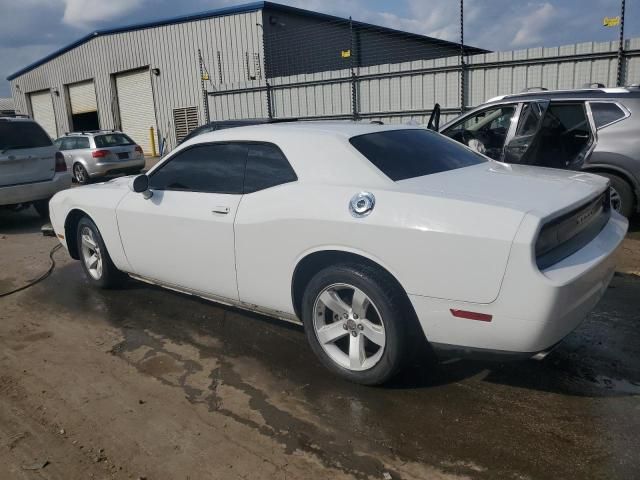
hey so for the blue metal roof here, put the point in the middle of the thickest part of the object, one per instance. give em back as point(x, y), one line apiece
point(249, 7)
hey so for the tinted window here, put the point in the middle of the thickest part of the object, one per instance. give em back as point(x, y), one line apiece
point(80, 142)
point(18, 135)
point(402, 154)
point(216, 168)
point(112, 140)
point(67, 143)
point(605, 113)
point(266, 167)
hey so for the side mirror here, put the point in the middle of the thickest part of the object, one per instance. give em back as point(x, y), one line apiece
point(140, 184)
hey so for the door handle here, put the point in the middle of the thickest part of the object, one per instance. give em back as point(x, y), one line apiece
point(221, 210)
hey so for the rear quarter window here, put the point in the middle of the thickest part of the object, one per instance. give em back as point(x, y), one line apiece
point(605, 113)
point(20, 135)
point(402, 154)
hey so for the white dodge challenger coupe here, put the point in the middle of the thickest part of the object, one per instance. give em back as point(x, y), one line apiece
point(379, 239)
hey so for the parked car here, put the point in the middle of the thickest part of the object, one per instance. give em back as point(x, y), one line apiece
point(593, 130)
point(374, 237)
point(99, 153)
point(31, 168)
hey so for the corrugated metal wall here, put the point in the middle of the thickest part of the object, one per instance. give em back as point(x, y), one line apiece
point(403, 92)
point(171, 48)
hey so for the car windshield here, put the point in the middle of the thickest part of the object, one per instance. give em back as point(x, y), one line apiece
point(112, 140)
point(19, 135)
point(409, 153)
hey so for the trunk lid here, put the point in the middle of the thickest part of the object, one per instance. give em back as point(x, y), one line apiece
point(544, 191)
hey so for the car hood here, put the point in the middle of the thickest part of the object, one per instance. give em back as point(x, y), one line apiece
point(528, 189)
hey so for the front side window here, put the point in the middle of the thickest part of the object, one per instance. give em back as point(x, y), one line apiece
point(68, 143)
point(81, 142)
point(605, 113)
point(408, 153)
point(485, 131)
point(266, 167)
point(212, 168)
point(21, 134)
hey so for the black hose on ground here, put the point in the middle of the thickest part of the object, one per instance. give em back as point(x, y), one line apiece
point(40, 278)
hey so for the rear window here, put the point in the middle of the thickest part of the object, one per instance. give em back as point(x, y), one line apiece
point(20, 135)
point(112, 140)
point(402, 154)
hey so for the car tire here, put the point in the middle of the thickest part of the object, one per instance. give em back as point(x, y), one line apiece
point(94, 257)
point(80, 174)
point(42, 207)
point(386, 307)
point(622, 198)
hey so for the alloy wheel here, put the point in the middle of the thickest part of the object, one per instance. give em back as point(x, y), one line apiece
point(78, 172)
point(91, 255)
point(349, 327)
point(616, 200)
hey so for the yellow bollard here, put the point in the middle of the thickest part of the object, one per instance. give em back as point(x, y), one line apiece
point(152, 137)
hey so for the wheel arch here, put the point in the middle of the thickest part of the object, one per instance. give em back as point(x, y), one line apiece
point(70, 226)
point(623, 174)
point(313, 262)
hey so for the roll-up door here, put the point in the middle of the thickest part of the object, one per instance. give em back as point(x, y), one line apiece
point(84, 107)
point(135, 102)
point(82, 97)
point(42, 110)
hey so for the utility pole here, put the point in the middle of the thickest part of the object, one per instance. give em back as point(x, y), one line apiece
point(621, 47)
point(462, 62)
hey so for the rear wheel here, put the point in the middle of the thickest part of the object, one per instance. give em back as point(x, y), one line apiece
point(356, 323)
point(622, 197)
point(42, 207)
point(95, 259)
point(80, 174)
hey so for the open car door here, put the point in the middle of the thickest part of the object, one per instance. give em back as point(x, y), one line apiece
point(518, 148)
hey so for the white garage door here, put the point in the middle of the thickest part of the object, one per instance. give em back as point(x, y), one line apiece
point(137, 112)
point(82, 97)
point(42, 109)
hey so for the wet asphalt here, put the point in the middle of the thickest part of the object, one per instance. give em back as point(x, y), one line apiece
point(575, 414)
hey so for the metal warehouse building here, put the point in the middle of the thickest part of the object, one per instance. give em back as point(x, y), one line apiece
point(150, 75)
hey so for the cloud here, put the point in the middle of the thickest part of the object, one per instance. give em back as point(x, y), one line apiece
point(533, 25)
point(85, 13)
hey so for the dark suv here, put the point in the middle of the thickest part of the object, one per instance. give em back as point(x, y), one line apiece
point(595, 130)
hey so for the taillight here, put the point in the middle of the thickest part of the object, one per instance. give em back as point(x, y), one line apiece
point(99, 153)
point(61, 165)
point(139, 149)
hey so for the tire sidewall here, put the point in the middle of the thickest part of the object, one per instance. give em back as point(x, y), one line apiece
point(392, 316)
point(625, 192)
point(110, 274)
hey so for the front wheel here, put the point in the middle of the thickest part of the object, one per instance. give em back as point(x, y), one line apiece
point(95, 259)
point(356, 323)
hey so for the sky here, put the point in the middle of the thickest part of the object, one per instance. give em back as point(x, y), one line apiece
point(31, 29)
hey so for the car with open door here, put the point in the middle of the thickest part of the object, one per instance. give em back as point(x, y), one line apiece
point(591, 130)
point(378, 239)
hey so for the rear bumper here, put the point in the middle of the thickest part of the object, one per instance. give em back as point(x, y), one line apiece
point(30, 192)
point(535, 309)
point(121, 166)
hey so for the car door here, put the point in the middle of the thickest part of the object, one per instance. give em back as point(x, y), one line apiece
point(183, 234)
point(485, 131)
point(518, 148)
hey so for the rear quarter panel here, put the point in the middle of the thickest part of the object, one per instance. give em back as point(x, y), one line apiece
point(436, 247)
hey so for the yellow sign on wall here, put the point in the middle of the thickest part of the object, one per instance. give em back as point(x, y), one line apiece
point(345, 53)
point(611, 21)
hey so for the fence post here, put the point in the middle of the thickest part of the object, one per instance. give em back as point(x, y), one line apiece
point(462, 63)
point(620, 80)
point(205, 98)
point(354, 76)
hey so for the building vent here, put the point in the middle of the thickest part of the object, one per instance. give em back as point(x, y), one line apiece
point(185, 120)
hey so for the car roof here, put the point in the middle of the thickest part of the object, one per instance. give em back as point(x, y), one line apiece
point(91, 133)
point(12, 118)
point(574, 94)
